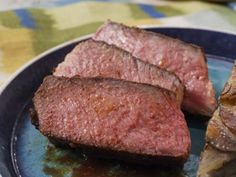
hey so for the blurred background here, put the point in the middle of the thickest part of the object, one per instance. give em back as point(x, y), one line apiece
point(10, 4)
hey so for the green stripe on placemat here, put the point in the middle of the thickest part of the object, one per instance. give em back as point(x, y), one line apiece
point(25, 33)
point(9, 19)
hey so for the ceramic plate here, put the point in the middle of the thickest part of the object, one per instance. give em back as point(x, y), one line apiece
point(25, 152)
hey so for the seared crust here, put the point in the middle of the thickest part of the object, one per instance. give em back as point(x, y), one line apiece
point(123, 156)
point(108, 131)
point(34, 117)
point(219, 156)
point(219, 136)
point(228, 117)
point(187, 61)
point(221, 131)
point(98, 59)
point(213, 163)
point(228, 102)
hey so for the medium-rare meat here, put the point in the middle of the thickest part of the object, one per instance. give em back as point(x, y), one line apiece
point(92, 58)
point(139, 121)
point(220, 150)
point(186, 60)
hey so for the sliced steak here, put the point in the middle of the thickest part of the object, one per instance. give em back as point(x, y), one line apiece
point(185, 60)
point(221, 130)
point(219, 155)
point(216, 163)
point(219, 136)
point(228, 102)
point(92, 58)
point(139, 121)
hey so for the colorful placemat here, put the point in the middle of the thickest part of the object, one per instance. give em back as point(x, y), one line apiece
point(27, 32)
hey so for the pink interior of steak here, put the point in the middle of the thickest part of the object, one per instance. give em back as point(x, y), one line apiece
point(185, 60)
point(92, 58)
point(112, 114)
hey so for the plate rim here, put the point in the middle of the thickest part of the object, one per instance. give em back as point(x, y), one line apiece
point(191, 27)
point(64, 44)
point(14, 76)
point(38, 57)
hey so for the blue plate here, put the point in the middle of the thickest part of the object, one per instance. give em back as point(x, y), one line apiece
point(25, 152)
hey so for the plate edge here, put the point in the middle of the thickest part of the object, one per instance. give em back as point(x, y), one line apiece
point(36, 58)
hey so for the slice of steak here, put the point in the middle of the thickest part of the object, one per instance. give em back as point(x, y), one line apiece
point(92, 58)
point(228, 102)
point(221, 130)
point(219, 136)
point(219, 155)
point(216, 163)
point(139, 121)
point(186, 60)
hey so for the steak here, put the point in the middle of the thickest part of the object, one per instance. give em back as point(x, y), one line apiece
point(220, 150)
point(141, 122)
point(92, 58)
point(221, 130)
point(187, 61)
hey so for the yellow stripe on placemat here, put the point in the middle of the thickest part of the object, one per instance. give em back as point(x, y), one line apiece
point(16, 49)
point(141, 22)
point(189, 7)
point(89, 12)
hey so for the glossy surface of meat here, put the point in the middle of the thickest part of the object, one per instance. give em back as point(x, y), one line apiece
point(185, 60)
point(120, 116)
point(92, 59)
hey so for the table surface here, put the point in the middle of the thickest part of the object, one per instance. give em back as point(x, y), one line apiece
point(13, 4)
point(28, 28)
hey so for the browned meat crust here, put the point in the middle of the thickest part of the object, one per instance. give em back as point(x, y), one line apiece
point(219, 155)
point(187, 61)
point(126, 120)
point(92, 59)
